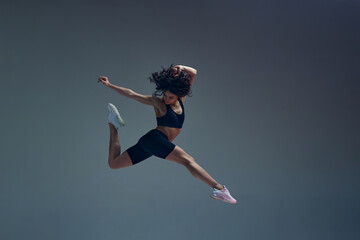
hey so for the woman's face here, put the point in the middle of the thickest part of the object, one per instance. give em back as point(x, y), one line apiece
point(170, 98)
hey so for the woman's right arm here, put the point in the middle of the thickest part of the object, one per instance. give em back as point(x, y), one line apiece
point(189, 70)
point(123, 91)
point(145, 99)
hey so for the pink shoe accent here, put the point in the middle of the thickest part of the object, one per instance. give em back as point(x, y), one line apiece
point(223, 195)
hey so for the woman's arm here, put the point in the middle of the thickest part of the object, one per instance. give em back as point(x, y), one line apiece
point(189, 70)
point(145, 99)
point(123, 91)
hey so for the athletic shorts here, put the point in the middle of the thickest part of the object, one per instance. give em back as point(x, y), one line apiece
point(155, 143)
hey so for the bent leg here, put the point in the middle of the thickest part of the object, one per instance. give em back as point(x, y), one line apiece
point(114, 144)
point(117, 160)
point(178, 155)
point(121, 161)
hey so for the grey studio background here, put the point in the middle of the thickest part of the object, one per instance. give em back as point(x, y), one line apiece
point(274, 116)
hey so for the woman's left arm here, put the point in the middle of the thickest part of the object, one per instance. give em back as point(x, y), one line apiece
point(189, 70)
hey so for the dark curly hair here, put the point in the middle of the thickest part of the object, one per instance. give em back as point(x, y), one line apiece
point(165, 81)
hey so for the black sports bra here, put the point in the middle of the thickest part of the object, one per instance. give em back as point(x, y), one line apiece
point(171, 118)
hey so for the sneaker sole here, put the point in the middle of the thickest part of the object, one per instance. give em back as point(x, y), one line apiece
point(222, 200)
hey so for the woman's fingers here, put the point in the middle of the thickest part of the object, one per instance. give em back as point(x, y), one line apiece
point(102, 79)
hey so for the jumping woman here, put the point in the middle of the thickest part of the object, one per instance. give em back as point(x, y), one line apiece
point(172, 86)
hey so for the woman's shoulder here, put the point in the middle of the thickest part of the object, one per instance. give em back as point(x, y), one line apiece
point(157, 99)
point(158, 102)
point(159, 106)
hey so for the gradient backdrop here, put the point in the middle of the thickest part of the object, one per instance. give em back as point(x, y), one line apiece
point(274, 116)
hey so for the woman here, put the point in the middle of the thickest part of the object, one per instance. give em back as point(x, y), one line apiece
point(174, 84)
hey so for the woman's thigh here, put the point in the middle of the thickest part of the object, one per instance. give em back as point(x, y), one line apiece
point(178, 155)
point(121, 161)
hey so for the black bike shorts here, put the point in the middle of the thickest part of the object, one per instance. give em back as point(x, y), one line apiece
point(155, 143)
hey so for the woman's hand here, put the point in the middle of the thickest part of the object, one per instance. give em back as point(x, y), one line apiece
point(104, 80)
point(177, 69)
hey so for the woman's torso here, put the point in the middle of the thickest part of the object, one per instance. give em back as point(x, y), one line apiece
point(160, 110)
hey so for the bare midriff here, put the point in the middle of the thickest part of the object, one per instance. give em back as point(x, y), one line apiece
point(170, 132)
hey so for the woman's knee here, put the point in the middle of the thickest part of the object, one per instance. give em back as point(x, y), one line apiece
point(192, 166)
point(178, 155)
point(112, 163)
point(188, 161)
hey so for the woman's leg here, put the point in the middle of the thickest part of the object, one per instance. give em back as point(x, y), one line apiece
point(180, 156)
point(114, 145)
point(116, 159)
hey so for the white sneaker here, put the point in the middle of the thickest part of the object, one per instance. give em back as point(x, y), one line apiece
point(223, 195)
point(114, 117)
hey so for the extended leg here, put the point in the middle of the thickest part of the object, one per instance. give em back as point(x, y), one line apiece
point(180, 156)
point(220, 192)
